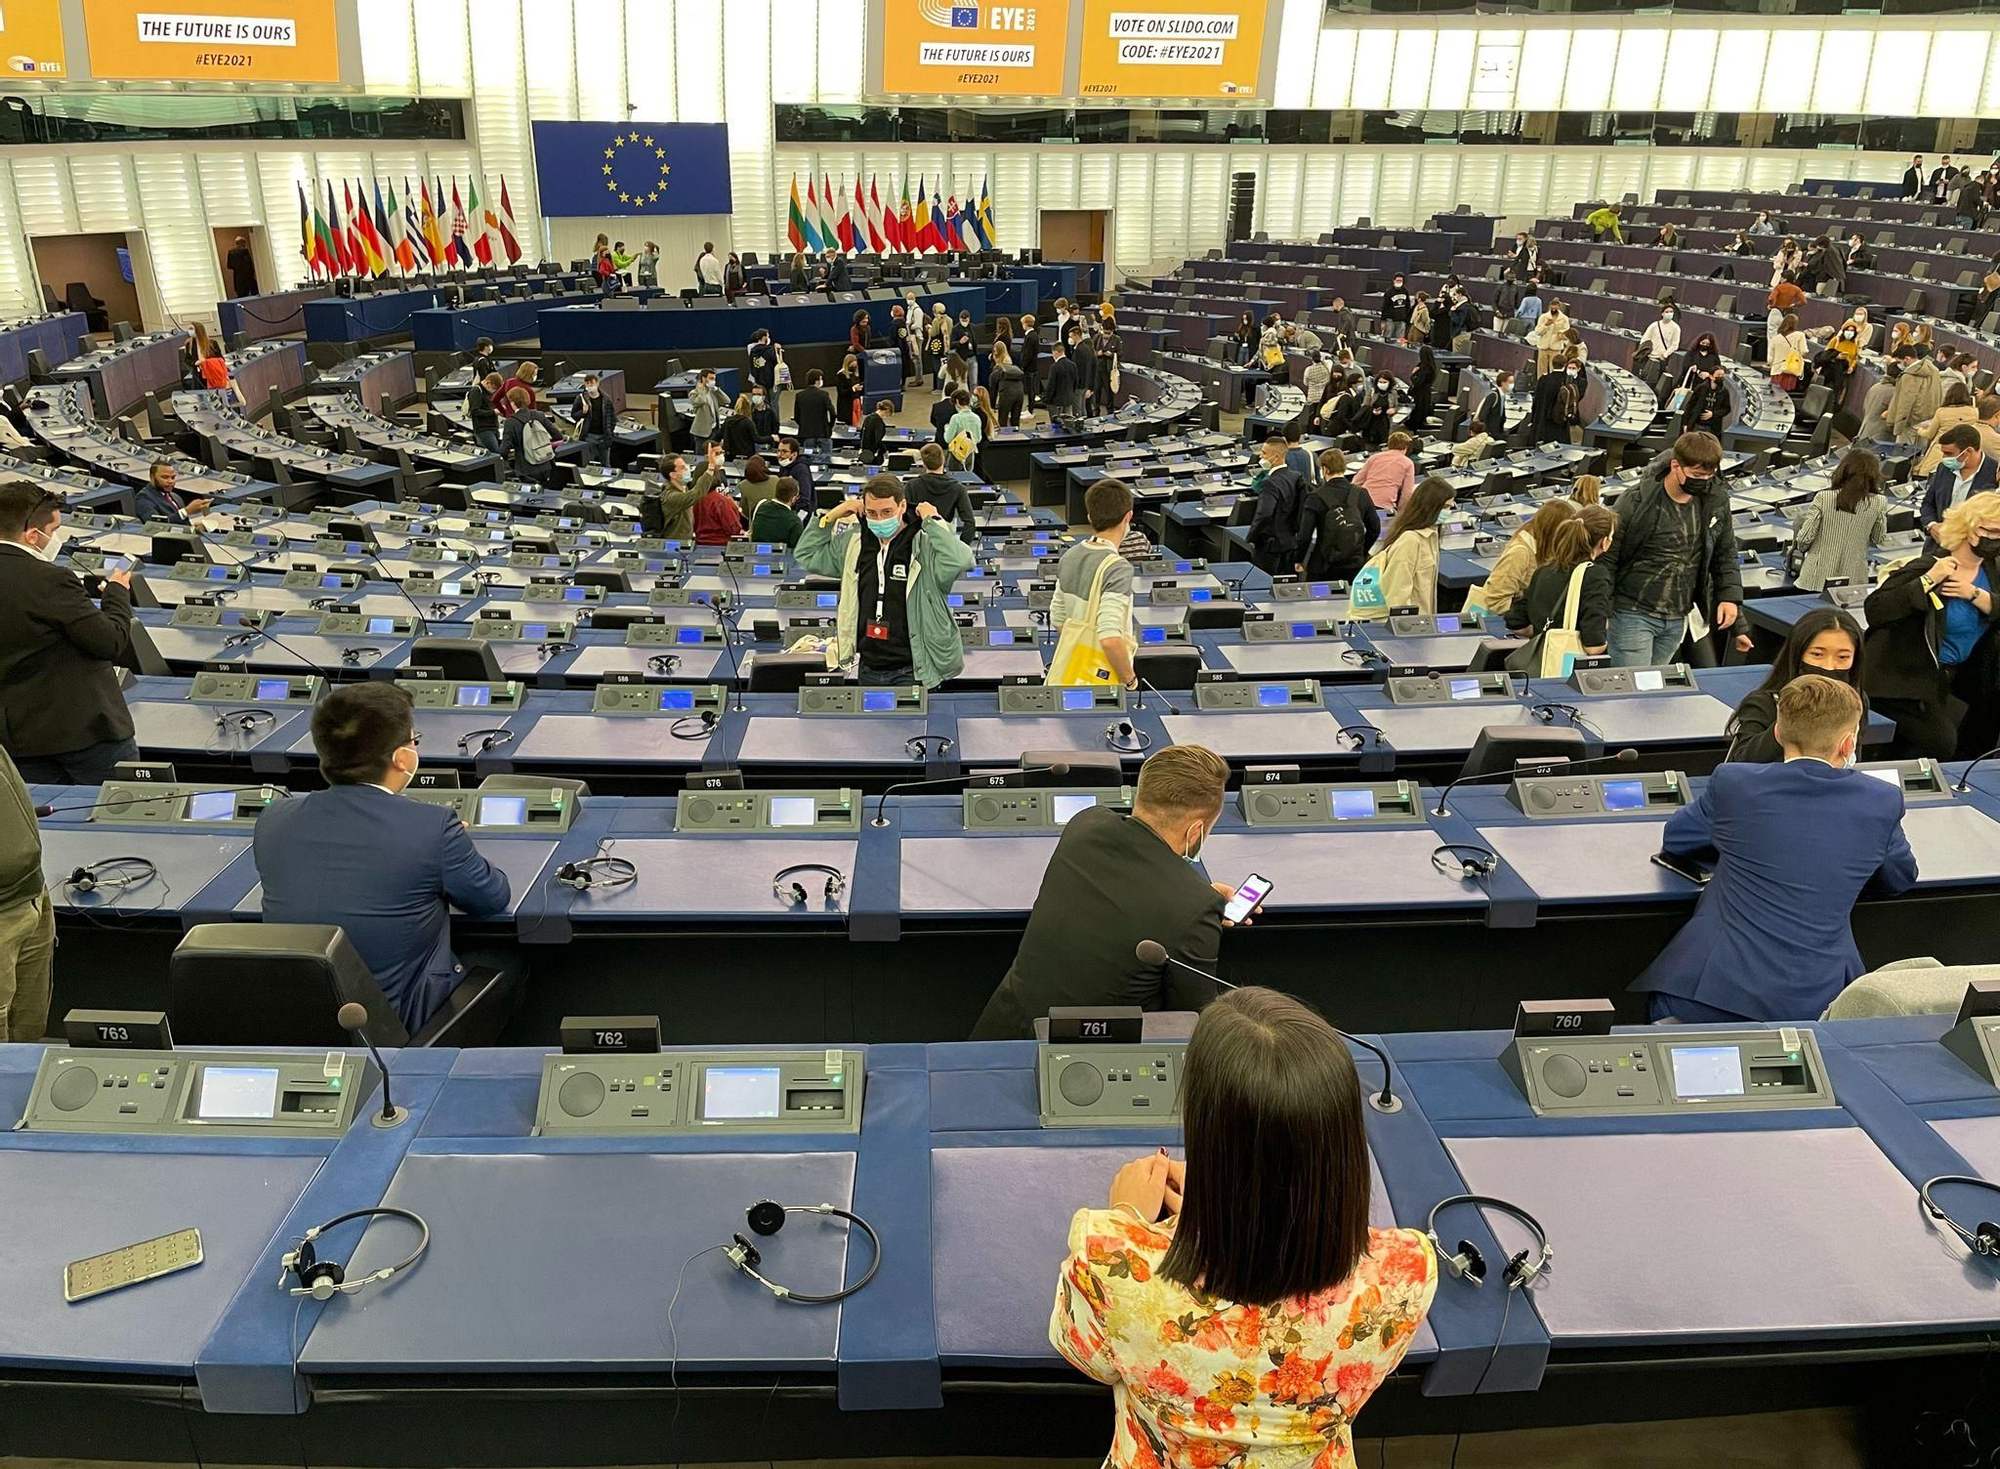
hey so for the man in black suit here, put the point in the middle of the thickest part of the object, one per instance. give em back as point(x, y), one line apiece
point(1913, 178)
point(159, 500)
point(1113, 882)
point(1085, 361)
point(62, 716)
point(1063, 389)
point(812, 409)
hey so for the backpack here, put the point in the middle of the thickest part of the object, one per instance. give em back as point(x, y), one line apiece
point(1341, 536)
point(537, 447)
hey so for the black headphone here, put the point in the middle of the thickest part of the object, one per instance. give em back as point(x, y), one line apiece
point(1125, 736)
point(323, 1279)
point(766, 1218)
point(1363, 735)
point(795, 893)
point(693, 726)
point(597, 872)
point(918, 746)
point(554, 646)
point(353, 656)
point(113, 873)
point(246, 719)
point(1470, 1264)
point(1464, 860)
point(488, 739)
point(1984, 1239)
point(663, 662)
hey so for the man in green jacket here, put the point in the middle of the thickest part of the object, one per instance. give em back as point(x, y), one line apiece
point(895, 570)
point(1604, 223)
point(27, 917)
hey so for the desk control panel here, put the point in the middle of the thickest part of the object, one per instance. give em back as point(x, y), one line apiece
point(255, 688)
point(445, 693)
point(672, 635)
point(1172, 594)
point(561, 591)
point(532, 560)
point(208, 614)
point(1047, 699)
point(845, 698)
point(685, 597)
point(1450, 688)
point(808, 599)
point(1307, 591)
point(190, 1093)
point(1283, 630)
point(1566, 797)
point(361, 625)
point(1919, 780)
point(768, 811)
point(307, 579)
point(1636, 1074)
point(180, 803)
point(1021, 808)
point(1407, 625)
point(508, 803)
point(513, 630)
point(193, 569)
point(1308, 803)
point(1110, 1085)
point(671, 700)
point(700, 1091)
point(1258, 696)
point(1665, 678)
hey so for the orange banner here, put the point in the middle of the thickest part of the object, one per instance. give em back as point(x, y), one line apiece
point(31, 37)
point(1171, 48)
point(213, 41)
point(974, 48)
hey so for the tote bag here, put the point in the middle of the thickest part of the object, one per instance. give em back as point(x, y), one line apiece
point(1555, 649)
point(1078, 659)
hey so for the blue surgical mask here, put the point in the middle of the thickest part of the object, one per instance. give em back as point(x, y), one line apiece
point(885, 529)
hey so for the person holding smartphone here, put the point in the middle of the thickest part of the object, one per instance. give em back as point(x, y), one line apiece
point(1115, 881)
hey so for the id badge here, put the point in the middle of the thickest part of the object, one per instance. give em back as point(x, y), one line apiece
point(877, 630)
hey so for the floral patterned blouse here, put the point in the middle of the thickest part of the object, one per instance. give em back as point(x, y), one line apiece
point(1201, 1383)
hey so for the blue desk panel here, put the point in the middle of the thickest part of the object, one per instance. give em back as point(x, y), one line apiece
point(712, 325)
point(60, 336)
point(359, 318)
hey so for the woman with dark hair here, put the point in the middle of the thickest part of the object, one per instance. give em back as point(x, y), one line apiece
point(1407, 564)
point(1842, 523)
point(1702, 359)
point(1244, 338)
point(1240, 1306)
point(1423, 384)
point(1826, 640)
point(847, 386)
point(857, 333)
point(757, 485)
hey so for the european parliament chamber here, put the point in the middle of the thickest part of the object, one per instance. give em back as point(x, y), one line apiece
point(1211, 736)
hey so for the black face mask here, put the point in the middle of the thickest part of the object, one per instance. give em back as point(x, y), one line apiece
point(1986, 548)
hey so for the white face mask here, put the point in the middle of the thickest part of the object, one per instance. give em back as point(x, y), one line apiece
point(52, 546)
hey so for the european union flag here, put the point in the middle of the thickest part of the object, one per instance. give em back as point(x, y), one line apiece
point(965, 17)
point(586, 168)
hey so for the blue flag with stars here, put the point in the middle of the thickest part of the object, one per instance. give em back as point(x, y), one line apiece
point(586, 168)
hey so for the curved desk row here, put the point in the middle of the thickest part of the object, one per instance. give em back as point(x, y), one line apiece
point(58, 337)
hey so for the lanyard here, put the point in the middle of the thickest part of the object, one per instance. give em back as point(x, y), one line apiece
point(881, 578)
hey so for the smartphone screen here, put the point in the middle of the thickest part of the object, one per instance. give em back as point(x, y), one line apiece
point(1685, 867)
point(1244, 902)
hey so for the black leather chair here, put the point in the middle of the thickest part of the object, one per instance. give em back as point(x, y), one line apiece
point(1490, 655)
point(95, 317)
point(282, 984)
point(1503, 746)
point(1167, 668)
point(784, 673)
point(468, 660)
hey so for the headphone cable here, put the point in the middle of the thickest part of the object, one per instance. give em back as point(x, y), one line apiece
point(1506, 1308)
point(674, 1337)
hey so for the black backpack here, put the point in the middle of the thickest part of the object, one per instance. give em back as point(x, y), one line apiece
point(1333, 512)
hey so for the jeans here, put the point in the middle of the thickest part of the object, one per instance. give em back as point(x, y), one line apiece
point(880, 677)
point(90, 766)
point(820, 450)
point(27, 953)
point(597, 449)
point(1639, 641)
point(489, 440)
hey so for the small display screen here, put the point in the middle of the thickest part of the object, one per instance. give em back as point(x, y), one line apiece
point(1448, 623)
point(535, 631)
point(451, 588)
point(1273, 695)
point(1624, 795)
point(878, 700)
point(1201, 594)
point(379, 625)
point(1302, 629)
point(217, 573)
point(117, 563)
point(760, 568)
point(954, 599)
point(1353, 805)
point(687, 634)
point(791, 811)
point(1321, 589)
point(1079, 699)
point(1648, 680)
point(274, 688)
point(476, 696)
point(740, 1092)
point(238, 1093)
point(575, 594)
point(677, 699)
point(552, 561)
point(1891, 776)
point(1183, 566)
point(1152, 635)
point(333, 582)
point(826, 599)
point(503, 810)
point(1000, 637)
point(1464, 688)
point(762, 548)
point(1707, 1071)
point(1064, 807)
point(211, 806)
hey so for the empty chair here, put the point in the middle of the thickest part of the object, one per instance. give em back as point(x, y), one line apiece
point(51, 300)
point(1613, 320)
point(1725, 305)
point(78, 296)
point(1913, 304)
point(1920, 271)
point(464, 660)
point(1813, 404)
point(1502, 746)
point(121, 331)
point(1168, 668)
point(1885, 237)
point(1489, 655)
point(283, 984)
point(1955, 244)
point(784, 673)
point(1599, 285)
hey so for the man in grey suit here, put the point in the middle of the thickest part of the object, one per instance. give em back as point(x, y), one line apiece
point(710, 405)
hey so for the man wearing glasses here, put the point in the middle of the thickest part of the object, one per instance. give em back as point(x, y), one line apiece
point(62, 716)
point(383, 868)
point(1673, 560)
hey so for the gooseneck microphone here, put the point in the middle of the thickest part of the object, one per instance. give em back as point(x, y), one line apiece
point(1151, 951)
point(1146, 688)
point(354, 1017)
point(1534, 765)
point(729, 647)
point(1059, 767)
point(1962, 787)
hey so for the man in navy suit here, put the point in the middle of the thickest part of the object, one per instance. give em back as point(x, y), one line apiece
point(1967, 469)
point(384, 868)
point(1792, 846)
point(159, 500)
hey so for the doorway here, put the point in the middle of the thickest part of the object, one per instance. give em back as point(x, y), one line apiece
point(263, 271)
point(1074, 234)
point(108, 268)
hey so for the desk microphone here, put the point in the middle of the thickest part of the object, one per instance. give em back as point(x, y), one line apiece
point(1144, 688)
point(1151, 951)
point(729, 648)
point(138, 799)
point(354, 1017)
point(1962, 787)
point(1058, 767)
point(1534, 765)
point(249, 635)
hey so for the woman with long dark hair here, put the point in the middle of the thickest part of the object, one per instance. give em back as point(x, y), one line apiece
point(1842, 523)
point(1826, 640)
point(1239, 1305)
point(1423, 385)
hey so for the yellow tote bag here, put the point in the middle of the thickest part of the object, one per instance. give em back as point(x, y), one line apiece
point(1078, 659)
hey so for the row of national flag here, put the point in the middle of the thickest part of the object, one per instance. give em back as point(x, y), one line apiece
point(827, 219)
point(356, 234)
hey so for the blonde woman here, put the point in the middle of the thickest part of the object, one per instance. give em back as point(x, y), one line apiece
point(1587, 489)
point(1930, 631)
point(1517, 561)
point(1549, 338)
